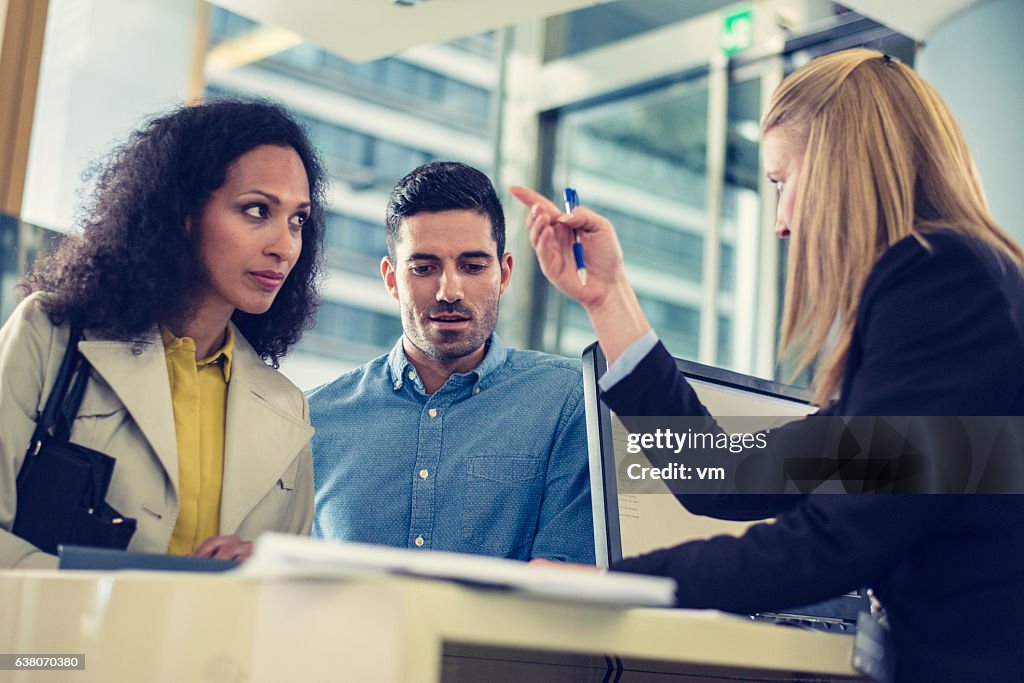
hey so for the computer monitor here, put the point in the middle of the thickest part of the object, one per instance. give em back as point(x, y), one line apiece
point(628, 524)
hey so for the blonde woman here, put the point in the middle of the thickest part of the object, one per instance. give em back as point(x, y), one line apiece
point(911, 299)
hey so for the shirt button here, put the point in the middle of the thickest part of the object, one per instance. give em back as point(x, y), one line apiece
point(398, 384)
point(412, 375)
point(136, 349)
point(424, 474)
point(432, 412)
point(476, 390)
point(419, 541)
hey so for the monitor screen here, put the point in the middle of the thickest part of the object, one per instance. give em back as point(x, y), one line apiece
point(650, 517)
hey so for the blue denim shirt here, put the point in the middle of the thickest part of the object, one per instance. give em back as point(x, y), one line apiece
point(493, 463)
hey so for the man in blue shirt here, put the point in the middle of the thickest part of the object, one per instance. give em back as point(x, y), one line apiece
point(453, 441)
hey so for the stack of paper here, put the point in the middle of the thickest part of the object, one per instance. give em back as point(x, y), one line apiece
point(282, 555)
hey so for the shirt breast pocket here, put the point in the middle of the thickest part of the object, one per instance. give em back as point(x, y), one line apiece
point(502, 502)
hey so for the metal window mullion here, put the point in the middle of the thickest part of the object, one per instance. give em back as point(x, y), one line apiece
point(718, 103)
point(747, 253)
point(517, 148)
point(766, 330)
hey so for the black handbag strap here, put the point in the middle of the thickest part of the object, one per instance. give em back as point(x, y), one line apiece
point(73, 399)
point(66, 395)
point(59, 404)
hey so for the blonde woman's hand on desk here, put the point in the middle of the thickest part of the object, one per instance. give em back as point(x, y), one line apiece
point(224, 548)
point(607, 295)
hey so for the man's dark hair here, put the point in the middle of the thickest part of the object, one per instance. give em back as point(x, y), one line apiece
point(135, 264)
point(442, 186)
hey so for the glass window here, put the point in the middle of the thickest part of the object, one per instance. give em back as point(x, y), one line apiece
point(225, 25)
point(467, 99)
point(355, 235)
point(641, 161)
point(724, 353)
point(391, 160)
point(106, 66)
point(304, 56)
point(382, 79)
point(346, 322)
point(678, 325)
point(481, 45)
point(648, 243)
point(727, 269)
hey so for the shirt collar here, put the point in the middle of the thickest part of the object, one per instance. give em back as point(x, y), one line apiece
point(173, 344)
point(399, 365)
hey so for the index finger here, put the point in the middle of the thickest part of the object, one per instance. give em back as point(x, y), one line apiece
point(532, 198)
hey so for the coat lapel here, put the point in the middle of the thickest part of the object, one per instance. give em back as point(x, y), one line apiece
point(262, 436)
point(137, 372)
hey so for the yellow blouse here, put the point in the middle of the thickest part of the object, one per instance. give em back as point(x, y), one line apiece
point(199, 391)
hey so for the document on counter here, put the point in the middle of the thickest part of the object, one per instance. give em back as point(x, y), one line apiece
point(285, 556)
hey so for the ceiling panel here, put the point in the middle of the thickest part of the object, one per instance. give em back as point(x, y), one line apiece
point(361, 30)
point(915, 19)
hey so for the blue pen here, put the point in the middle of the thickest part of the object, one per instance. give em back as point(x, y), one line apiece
point(572, 200)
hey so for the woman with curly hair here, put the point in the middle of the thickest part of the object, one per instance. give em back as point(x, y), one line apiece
point(195, 270)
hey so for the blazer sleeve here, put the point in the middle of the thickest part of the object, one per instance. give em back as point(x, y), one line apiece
point(654, 388)
point(921, 314)
point(657, 388)
point(27, 343)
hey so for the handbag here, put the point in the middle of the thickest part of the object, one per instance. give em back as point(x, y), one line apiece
point(62, 486)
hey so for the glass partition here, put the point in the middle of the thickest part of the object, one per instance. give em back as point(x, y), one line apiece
point(641, 161)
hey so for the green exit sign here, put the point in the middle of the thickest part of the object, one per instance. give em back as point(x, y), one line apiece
point(737, 31)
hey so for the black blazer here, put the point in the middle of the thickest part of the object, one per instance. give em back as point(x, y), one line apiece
point(937, 333)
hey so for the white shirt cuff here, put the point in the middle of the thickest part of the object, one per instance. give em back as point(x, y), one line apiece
point(630, 358)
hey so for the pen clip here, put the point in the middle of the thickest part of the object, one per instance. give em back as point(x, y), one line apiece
point(571, 199)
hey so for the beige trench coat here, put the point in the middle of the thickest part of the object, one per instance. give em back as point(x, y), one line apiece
point(126, 413)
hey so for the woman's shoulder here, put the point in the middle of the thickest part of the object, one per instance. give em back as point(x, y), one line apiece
point(30, 317)
point(32, 308)
point(948, 284)
point(944, 244)
point(941, 255)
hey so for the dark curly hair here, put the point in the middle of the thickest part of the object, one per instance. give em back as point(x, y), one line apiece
point(135, 265)
point(442, 186)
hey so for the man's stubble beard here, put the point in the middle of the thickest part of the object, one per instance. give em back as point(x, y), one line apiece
point(480, 331)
